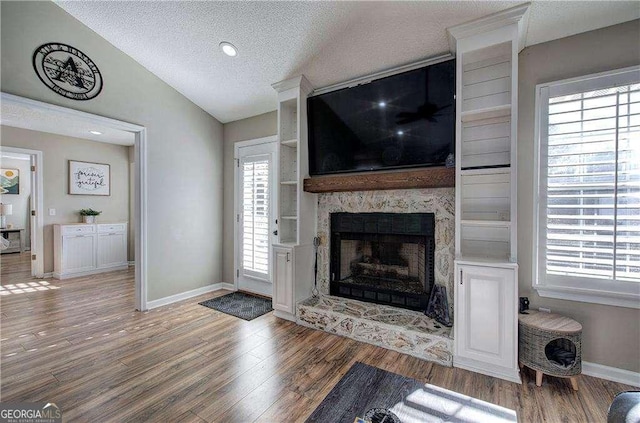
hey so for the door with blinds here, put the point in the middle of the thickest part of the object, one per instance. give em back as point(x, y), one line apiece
point(255, 199)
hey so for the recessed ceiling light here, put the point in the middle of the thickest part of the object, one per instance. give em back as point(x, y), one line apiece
point(382, 104)
point(400, 132)
point(229, 49)
point(96, 132)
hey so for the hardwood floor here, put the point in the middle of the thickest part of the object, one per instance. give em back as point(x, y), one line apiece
point(78, 343)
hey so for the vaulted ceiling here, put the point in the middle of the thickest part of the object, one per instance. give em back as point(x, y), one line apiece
point(328, 42)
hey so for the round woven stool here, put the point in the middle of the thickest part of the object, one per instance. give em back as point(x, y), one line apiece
point(550, 344)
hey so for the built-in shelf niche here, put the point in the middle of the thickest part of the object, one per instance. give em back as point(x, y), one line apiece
point(486, 195)
point(486, 76)
point(288, 199)
point(485, 240)
point(288, 163)
point(289, 121)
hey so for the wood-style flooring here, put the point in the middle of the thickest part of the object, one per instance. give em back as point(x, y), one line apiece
point(80, 344)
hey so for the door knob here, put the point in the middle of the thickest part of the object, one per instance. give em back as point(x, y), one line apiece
point(275, 232)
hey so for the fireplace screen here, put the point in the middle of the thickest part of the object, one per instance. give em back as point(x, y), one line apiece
point(383, 258)
point(385, 263)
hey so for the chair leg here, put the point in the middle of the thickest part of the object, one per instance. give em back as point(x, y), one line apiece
point(538, 378)
point(574, 383)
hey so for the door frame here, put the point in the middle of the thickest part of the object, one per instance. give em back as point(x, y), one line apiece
point(236, 201)
point(36, 231)
point(140, 176)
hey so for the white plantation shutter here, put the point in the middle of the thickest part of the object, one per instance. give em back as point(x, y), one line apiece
point(255, 215)
point(589, 184)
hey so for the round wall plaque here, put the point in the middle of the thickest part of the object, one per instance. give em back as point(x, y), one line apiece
point(67, 71)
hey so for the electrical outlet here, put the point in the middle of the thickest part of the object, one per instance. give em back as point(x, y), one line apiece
point(52, 212)
point(544, 310)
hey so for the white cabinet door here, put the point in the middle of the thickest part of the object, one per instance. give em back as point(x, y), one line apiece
point(112, 249)
point(78, 253)
point(283, 280)
point(485, 314)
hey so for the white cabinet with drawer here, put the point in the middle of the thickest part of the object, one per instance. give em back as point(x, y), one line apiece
point(83, 249)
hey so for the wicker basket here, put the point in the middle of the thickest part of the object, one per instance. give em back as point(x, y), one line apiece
point(537, 333)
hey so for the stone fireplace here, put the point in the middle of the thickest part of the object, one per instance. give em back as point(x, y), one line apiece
point(439, 201)
point(383, 258)
point(389, 263)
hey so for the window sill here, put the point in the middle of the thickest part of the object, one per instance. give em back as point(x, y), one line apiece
point(590, 296)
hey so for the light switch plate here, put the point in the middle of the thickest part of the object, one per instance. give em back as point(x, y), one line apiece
point(52, 212)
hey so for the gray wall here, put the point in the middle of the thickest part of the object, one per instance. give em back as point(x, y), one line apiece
point(57, 150)
point(251, 128)
point(611, 335)
point(184, 142)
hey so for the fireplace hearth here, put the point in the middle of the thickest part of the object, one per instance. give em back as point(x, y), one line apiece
point(384, 258)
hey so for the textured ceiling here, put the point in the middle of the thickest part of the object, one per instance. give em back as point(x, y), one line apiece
point(20, 116)
point(328, 42)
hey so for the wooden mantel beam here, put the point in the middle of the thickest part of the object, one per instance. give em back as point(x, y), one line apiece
point(431, 177)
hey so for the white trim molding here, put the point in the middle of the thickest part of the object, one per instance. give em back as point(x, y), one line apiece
point(516, 15)
point(383, 74)
point(611, 373)
point(188, 294)
point(486, 369)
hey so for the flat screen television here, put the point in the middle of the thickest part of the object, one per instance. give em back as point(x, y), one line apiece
point(401, 121)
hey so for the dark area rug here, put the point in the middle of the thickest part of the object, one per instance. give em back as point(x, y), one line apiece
point(377, 396)
point(239, 304)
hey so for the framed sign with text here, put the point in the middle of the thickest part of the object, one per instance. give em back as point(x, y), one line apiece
point(87, 178)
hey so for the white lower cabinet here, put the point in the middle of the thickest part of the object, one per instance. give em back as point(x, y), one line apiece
point(486, 319)
point(112, 249)
point(292, 278)
point(283, 280)
point(78, 252)
point(83, 249)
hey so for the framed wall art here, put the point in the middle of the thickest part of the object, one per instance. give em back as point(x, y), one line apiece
point(87, 178)
point(9, 181)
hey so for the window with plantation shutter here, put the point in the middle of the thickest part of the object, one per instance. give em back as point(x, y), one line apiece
point(588, 189)
point(255, 215)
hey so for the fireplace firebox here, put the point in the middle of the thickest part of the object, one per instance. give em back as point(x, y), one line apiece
point(384, 258)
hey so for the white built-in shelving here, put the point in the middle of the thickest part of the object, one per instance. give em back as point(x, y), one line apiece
point(486, 149)
point(296, 222)
point(486, 269)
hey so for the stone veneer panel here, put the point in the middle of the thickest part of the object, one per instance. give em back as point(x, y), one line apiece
point(440, 201)
point(405, 331)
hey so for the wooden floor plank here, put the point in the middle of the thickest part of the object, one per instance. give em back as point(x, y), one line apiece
point(79, 343)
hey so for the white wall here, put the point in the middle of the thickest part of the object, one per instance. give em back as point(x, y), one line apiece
point(184, 142)
point(20, 202)
point(611, 335)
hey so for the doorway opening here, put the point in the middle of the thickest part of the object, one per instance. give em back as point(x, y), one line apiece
point(15, 108)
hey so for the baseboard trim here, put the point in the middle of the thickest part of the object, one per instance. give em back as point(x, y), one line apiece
point(512, 375)
point(185, 295)
point(613, 374)
point(285, 315)
point(46, 275)
point(228, 286)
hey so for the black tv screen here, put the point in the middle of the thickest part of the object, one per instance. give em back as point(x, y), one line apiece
point(401, 121)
